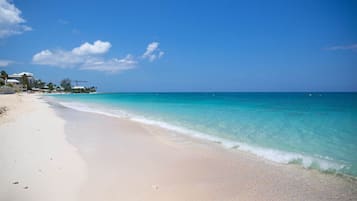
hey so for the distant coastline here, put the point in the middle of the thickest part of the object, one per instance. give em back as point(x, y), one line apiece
point(26, 82)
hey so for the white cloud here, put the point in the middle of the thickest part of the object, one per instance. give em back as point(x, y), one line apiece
point(112, 65)
point(343, 47)
point(76, 56)
point(85, 57)
point(152, 52)
point(89, 57)
point(4, 63)
point(11, 22)
point(58, 58)
point(98, 47)
point(151, 48)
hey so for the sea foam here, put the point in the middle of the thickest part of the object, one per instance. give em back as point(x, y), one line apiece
point(278, 156)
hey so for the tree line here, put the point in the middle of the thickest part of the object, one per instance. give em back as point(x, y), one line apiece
point(65, 84)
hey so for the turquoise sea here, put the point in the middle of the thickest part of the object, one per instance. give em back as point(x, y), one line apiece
point(315, 130)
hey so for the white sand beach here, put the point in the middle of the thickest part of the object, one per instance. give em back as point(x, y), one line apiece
point(62, 154)
point(36, 161)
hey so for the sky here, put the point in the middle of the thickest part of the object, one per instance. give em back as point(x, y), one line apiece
point(170, 46)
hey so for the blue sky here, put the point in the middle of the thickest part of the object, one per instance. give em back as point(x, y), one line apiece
point(184, 45)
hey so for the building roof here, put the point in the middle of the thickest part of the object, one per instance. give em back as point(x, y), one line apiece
point(12, 81)
point(14, 76)
point(17, 75)
point(78, 87)
point(26, 73)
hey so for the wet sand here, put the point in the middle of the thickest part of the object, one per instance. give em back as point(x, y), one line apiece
point(132, 161)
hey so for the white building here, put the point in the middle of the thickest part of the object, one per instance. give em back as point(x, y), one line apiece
point(18, 77)
point(12, 81)
point(78, 89)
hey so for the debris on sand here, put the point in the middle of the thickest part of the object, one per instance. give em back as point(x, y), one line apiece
point(3, 109)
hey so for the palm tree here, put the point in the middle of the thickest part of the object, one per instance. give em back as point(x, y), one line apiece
point(66, 84)
point(50, 86)
point(4, 75)
point(25, 82)
point(39, 84)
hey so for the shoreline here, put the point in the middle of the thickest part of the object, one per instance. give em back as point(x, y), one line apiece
point(227, 174)
point(306, 161)
point(125, 160)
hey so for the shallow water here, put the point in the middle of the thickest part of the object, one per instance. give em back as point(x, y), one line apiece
point(316, 130)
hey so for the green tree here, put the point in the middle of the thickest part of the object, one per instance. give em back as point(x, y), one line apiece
point(92, 89)
point(39, 84)
point(66, 84)
point(50, 86)
point(4, 75)
point(25, 82)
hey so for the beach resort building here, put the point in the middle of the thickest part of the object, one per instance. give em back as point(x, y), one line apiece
point(16, 80)
point(18, 77)
point(16, 85)
point(13, 81)
point(78, 89)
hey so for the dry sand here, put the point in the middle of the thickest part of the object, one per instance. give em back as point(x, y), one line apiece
point(103, 158)
point(36, 161)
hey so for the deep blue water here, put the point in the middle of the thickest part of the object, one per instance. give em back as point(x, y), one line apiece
point(317, 130)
